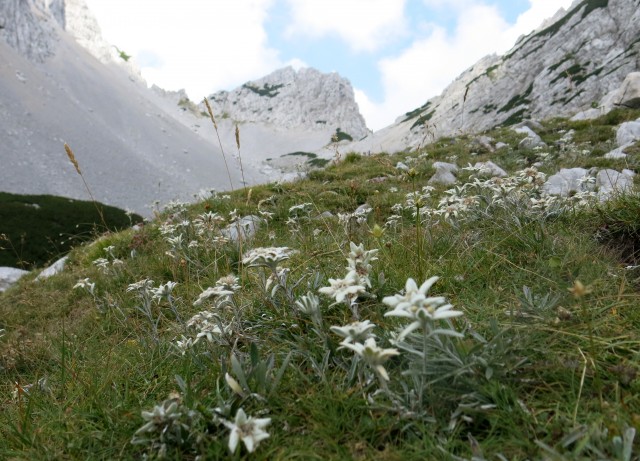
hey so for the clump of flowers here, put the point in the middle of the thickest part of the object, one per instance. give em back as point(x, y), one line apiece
point(373, 355)
point(267, 257)
point(170, 424)
point(355, 283)
point(248, 429)
point(421, 309)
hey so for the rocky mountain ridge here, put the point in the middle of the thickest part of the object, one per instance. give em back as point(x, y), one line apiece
point(60, 81)
point(288, 98)
point(575, 62)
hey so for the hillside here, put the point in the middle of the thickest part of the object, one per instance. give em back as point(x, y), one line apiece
point(315, 337)
point(575, 62)
point(61, 82)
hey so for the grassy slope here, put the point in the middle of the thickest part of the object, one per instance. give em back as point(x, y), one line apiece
point(556, 380)
point(40, 228)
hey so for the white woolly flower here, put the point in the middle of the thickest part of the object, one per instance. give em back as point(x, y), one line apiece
point(163, 291)
point(355, 332)
point(86, 284)
point(268, 256)
point(248, 429)
point(346, 288)
point(416, 306)
point(212, 292)
point(359, 261)
point(228, 282)
point(373, 355)
point(144, 286)
point(160, 417)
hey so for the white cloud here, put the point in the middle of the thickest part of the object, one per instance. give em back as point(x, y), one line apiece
point(202, 46)
point(364, 25)
point(430, 63)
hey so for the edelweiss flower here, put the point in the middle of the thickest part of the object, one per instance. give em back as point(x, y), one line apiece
point(359, 261)
point(163, 291)
point(268, 256)
point(248, 429)
point(355, 332)
point(161, 416)
point(228, 282)
point(344, 288)
point(212, 292)
point(143, 286)
point(415, 305)
point(86, 284)
point(373, 355)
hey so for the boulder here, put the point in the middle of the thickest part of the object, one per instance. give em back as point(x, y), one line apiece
point(484, 141)
point(490, 169)
point(630, 91)
point(531, 140)
point(443, 177)
point(53, 269)
point(444, 174)
point(565, 182)
point(244, 228)
point(628, 133)
point(609, 182)
point(9, 276)
point(616, 154)
point(444, 166)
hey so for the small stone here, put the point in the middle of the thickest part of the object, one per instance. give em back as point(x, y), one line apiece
point(53, 269)
point(628, 133)
point(9, 276)
point(490, 169)
point(565, 182)
point(245, 228)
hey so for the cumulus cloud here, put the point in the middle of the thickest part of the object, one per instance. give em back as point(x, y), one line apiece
point(364, 25)
point(434, 60)
point(205, 46)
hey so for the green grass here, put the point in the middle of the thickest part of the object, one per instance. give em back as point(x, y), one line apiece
point(40, 228)
point(544, 369)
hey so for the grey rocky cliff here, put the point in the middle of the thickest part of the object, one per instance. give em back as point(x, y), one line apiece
point(61, 82)
point(571, 63)
point(27, 26)
point(287, 98)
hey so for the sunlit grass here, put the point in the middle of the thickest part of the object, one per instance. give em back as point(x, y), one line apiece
point(311, 341)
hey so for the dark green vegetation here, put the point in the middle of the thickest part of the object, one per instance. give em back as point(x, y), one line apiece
point(547, 367)
point(38, 229)
point(341, 136)
point(266, 90)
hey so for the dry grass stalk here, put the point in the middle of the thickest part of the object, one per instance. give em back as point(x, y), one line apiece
point(215, 126)
point(240, 156)
point(73, 160)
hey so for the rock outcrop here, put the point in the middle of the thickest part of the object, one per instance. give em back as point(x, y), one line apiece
point(287, 98)
point(570, 64)
point(61, 82)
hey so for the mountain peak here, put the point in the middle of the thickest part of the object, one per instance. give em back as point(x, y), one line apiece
point(289, 98)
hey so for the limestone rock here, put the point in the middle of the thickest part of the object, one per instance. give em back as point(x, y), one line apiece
point(490, 169)
point(288, 98)
point(565, 182)
point(444, 174)
point(9, 276)
point(610, 182)
point(444, 166)
point(485, 142)
point(628, 133)
point(53, 269)
point(564, 67)
point(245, 228)
point(630, 91)
point(531, 140)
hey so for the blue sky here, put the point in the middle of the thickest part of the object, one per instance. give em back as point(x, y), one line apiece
point(396, 53)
